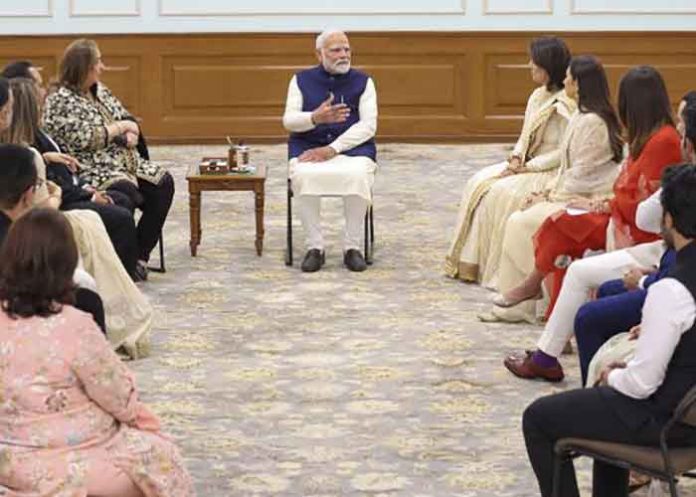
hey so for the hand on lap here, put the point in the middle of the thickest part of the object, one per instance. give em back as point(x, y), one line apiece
point(65, 159)
point(632, 277)
point(604, 375)
point(320, 154)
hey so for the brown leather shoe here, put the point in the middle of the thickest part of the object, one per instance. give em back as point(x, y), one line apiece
point(523, 366)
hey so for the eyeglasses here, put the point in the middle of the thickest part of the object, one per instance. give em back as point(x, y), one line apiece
point(39, 183)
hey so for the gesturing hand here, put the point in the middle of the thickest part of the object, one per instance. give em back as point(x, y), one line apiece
point(327, 113)
point(320, 154)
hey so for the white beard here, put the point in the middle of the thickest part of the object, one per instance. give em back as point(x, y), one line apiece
point(337, 68)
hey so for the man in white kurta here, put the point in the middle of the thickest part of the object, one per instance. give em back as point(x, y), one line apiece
point(331, 113)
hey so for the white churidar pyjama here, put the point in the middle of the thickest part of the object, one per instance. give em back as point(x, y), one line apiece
point(584, 275)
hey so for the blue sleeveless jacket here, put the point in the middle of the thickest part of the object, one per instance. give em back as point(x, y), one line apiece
point(315, 85)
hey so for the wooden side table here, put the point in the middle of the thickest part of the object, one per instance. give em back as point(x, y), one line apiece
point(233, 182)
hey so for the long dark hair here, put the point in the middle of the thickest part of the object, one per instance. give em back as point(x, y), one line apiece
point(552, 55)
point(643, 106)
point(39, 257)
point(593, 96)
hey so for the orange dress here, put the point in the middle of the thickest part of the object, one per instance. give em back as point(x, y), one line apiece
point(564, 237)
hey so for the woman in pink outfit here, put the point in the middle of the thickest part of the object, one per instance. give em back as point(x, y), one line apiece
point(71, 424)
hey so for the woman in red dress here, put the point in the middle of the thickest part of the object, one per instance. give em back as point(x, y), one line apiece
point(654, 144)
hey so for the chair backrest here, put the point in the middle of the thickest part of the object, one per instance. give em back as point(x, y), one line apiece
point(686, 410)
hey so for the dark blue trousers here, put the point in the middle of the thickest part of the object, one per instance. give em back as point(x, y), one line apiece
point(615, 311)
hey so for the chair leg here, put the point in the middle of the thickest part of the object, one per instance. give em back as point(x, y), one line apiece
point(288, 248)
point(667, 460)
point(161, 268)
point(369, 236)
point(372, 226)
point(558, 461)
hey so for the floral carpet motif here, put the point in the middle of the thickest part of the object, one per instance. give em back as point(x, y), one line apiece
point(382, 383)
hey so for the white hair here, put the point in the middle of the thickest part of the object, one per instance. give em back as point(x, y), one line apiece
point(324, 35)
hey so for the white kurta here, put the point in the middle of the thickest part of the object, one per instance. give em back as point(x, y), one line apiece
point(341, 175)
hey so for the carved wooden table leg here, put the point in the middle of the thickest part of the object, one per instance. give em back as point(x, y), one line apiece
point(195, 219)
point(259, 195)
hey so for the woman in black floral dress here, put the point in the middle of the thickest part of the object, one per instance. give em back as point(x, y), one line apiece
point(90, 123)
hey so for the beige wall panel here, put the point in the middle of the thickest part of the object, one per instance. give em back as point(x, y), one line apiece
point(123, 77)
point(104, 8)
point(26, 8)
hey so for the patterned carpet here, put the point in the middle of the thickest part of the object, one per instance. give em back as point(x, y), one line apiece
point(382, 383)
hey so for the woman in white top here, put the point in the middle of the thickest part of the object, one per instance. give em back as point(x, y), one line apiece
point(497, 191)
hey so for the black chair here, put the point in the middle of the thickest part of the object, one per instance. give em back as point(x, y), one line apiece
point(144, 152)
point(369, 231)
point(660, 462)
point(161, 268)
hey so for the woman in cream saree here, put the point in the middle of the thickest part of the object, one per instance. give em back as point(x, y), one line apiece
point(499, 190)
point(128, 312)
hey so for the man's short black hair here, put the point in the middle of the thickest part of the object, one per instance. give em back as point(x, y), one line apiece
point(17, 174)
point(689, 118)
point(689, 97)
point(679, 197)
point(4, 91)
point(17, 69)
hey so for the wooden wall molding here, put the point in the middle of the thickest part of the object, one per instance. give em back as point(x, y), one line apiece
point(432, 87)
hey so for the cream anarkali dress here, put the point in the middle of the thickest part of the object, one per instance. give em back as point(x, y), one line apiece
point(487, 201)
point(587, 171)
point(127, 311)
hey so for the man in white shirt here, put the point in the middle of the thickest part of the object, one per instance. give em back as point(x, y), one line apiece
point(635, 400)
point(331, 114)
